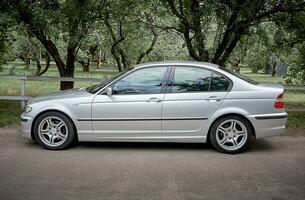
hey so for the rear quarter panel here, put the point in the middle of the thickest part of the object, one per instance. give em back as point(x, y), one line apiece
point(249, 100)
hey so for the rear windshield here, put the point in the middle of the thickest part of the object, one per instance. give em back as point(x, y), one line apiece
point(249, 80)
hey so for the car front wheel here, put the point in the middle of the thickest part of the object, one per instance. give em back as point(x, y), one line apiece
point(231, 134)
point(54, 131)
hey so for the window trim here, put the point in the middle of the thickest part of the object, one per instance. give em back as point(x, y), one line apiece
point(163, 87)
point(172, 75)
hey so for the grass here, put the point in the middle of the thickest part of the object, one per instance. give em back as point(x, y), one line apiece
point(35, 88)
point(294, 99)
point(10, 110)
point(261, 77)
point(296, 120)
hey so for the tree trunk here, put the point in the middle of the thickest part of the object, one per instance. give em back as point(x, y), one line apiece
point(70, 66)
point(99, 59)
point(85, 65)
point(124, 59)
point(38, 64)
point(117, 60)
point(65, 85)
point(236, 66)
point(274, 68)
point(38, 67)
point(25, 60)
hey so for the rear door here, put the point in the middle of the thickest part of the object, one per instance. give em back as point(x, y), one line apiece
point(193, 95)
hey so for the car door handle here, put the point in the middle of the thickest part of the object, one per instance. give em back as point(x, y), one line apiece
point(154, 99)
point(213, 99)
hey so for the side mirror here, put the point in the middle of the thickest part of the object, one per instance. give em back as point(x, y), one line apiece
point(109, 91)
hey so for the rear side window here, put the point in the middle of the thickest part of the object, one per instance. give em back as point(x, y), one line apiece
point(192, 79)
point(219, 83)
point(188, 79)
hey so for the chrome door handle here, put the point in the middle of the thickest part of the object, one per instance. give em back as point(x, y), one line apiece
point(154, 99)
point(213, 99)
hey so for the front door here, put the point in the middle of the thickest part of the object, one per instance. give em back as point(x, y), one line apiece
point(134, 108)
point(194, 95)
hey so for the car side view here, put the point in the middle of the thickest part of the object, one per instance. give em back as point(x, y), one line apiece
point(160, 102)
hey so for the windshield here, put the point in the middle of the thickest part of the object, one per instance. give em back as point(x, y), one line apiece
point(95, 88)
point(245, 78)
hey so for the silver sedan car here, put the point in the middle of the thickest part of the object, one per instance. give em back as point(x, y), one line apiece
point(160, 102)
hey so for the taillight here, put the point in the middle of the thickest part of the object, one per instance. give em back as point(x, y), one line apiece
point(281, 96)
point(279, 103)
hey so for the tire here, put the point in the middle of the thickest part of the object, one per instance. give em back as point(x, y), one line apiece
point(54, 131)
point(231, 134)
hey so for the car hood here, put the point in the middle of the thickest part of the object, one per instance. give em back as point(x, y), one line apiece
point(65, 94)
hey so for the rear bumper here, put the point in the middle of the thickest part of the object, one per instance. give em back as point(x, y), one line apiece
point(26, 123)
point(267, 125)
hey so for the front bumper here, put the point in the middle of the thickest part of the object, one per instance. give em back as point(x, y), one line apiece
point(267, 125)
point(26, 125)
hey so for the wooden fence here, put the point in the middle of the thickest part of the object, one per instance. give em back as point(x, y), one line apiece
point(23, 97)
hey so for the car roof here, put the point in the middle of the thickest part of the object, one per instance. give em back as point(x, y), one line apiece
point(178, 63)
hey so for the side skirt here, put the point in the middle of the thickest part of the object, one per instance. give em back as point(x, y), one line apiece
point(176, 139)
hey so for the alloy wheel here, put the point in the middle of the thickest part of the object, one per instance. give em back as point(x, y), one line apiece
point(231, 134)
point(53, 131)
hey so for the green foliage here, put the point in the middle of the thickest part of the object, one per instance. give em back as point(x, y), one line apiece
point(4, 25)
point(230, 32)
point(212, 29)
point(2, 52)
point(290, 39)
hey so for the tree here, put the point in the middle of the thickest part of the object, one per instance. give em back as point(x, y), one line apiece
point(129, 26)
point(50, 20)
point(29, 50)
point(254, 49)
point(212, 29)
point(5, 23)
point(87, 54)
point(290, 38)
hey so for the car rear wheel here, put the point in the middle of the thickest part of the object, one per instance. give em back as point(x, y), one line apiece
point(231, 134)
point(54, 131)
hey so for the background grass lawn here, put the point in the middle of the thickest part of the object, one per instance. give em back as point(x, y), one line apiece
point(10, 110)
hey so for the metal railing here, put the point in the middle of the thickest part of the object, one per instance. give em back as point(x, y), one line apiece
point(23, 97)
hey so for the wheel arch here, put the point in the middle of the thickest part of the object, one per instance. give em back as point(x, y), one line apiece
point(231, 114)
point(50, 110)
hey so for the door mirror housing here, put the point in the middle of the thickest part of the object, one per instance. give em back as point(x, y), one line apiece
point(109, 91)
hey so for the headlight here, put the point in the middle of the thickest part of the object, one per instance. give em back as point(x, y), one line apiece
point(27, 109)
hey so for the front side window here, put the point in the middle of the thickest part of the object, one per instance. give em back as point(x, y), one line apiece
point(142, 81)
point(191, 79)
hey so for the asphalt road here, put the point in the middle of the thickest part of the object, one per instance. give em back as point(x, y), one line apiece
point(273, 168)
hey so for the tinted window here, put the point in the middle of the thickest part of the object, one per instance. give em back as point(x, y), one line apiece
point(187, 79)
point(219, 83)
point(95, 88)
point(143, 81)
